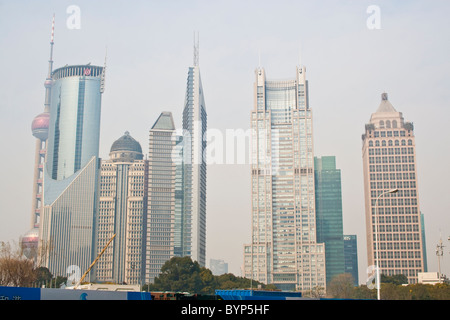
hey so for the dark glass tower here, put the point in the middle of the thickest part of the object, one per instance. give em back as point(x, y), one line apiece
point(329, 214)
point(351, 257)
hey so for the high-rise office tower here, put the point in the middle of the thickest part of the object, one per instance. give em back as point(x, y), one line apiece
point(161, 196)
point(122, 211)
point(393, 222)
point(283, 249)
point(351, 257)
point(71, 169)
point(39, 128)
point(194, 144)
point(329, 213)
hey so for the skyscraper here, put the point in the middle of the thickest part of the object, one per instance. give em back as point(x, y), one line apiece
point(122, 211)
point(161, 196)
point(194, 146)
point(393, 221)
point(283, 249)
point(329, 213)
point(71, 169)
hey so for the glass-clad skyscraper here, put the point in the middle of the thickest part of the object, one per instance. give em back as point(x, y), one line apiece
point(71, 169)
point(194, 170)
point(351, 257)
point(284, 250)
point(329, 213)
point(74, 133)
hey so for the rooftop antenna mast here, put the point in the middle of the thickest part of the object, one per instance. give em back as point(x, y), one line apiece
point(102, 83)
point(259, 59)
point(196, 52)
point(50, 62)
point(48, 81)
point(300, 55)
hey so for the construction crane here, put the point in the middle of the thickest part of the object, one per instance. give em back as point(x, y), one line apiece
point(93, 263)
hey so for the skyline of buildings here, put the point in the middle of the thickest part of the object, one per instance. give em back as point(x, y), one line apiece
point(194, 109)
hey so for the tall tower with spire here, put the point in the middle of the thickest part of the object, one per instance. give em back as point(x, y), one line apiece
point(39, 128)
point(393, 219)
point(194, 144)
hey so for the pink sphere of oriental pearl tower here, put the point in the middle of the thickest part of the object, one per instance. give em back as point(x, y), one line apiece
point(40, 125)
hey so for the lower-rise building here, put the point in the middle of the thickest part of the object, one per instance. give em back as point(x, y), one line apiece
point(122, 212)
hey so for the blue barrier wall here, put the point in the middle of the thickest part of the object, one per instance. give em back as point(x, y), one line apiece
point(19, 293)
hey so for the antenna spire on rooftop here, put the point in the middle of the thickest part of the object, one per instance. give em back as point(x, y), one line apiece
point(102, 82)
point(196, 52)
point(50, 61)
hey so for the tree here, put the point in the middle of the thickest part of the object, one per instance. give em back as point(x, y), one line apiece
point(184, 275)
point(364, 293)
point(179, 274)
point(397, 279)
point(15, 269)
point(341, 286)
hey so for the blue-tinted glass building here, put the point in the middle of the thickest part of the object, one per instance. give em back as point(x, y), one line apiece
point(329, 213)
point(71, 169)
point(351, 257)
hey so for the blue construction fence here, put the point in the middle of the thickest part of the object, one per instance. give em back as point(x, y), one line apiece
point(20, 293)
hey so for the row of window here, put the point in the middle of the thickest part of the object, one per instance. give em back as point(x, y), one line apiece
point(391, 168)
point(393, 176)
point(393, 185)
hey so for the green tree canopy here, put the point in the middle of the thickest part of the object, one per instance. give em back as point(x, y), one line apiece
point(181, 274)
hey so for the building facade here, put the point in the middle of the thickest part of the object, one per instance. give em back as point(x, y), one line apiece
point(67, 226)
point(122, 212)
point(194, 170)
point(329, 213)
point(283, 249)
point(393, 221)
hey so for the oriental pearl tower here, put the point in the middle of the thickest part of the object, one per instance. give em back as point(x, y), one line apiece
point(39, 127)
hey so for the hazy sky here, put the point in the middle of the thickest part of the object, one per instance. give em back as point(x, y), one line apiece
point(150, 48)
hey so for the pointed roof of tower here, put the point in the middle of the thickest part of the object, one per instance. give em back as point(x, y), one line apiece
point(164, 122)
point(385, 105)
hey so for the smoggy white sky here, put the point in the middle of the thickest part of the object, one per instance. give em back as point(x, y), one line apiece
point(351, 55)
